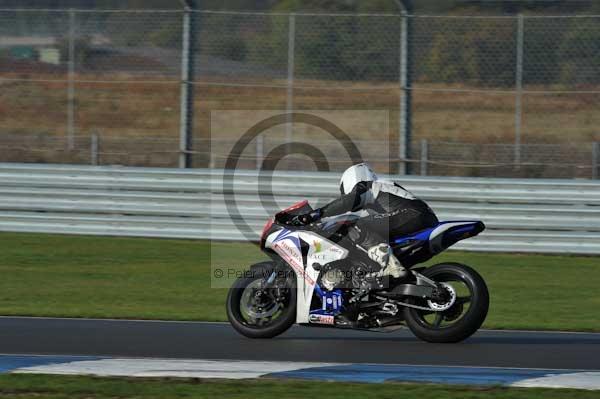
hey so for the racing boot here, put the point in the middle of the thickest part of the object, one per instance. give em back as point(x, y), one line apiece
point(343, 321)
point(384, 256)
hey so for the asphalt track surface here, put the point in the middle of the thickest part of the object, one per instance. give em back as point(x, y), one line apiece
point(197, 340)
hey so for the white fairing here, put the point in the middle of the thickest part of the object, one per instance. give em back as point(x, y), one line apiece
point(286, 243)
point(354, 175)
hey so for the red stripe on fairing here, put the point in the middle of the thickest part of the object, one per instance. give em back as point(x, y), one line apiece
point(293, 263)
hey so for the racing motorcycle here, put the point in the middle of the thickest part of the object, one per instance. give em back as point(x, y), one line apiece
point(319, 276)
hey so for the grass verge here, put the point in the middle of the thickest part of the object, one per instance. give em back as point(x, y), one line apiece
point(106, 277)
point(42, 386)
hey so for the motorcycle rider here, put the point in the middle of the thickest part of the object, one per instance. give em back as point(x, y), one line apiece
point(387, 210)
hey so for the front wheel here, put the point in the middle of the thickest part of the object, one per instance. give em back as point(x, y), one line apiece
point(257, 308)
point(460, 311)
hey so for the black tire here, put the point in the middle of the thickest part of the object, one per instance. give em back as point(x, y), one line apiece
point(237, 320)
point(469, 322)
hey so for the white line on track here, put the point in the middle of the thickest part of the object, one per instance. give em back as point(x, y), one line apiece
point(179, 368)
point(315, 364)
point(583, 380)
point(242, 369)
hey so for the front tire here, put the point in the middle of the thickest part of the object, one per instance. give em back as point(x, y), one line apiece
point(461, 323)
point(276, 311)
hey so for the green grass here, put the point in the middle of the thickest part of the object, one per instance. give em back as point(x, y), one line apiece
point(81, 276)
point(40, 386)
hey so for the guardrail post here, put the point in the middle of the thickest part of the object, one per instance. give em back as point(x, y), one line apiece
point(519, 89)
point(94, 149)
point(595, 159)
point(404, 123)
point(290, 77)
point(424, 156)
point(71, 82)
point(187, 86)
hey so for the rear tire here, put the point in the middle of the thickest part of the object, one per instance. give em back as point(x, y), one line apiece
point(241, 324)
point(469, 322)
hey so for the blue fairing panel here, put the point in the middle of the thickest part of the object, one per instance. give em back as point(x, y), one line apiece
point(443, 235)
point(423, 235)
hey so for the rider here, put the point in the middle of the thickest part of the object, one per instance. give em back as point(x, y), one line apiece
point(387, 210)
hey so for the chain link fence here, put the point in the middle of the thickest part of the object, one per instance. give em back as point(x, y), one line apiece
point(491, 96)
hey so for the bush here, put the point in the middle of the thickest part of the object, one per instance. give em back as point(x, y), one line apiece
point(580, 52)
point(225, 36)
point(83, 50)
point(336, 48)
point(480, 52)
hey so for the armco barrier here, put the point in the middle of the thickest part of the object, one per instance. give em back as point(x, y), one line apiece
point(553, 216)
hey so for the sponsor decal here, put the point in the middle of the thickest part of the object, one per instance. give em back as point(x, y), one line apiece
point(317, 245)
point(319, 257)
point(335, 250)
point(290, 251)
point(321, 319)
point(291, 257)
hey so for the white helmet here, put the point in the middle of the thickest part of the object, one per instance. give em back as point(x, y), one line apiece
point(354, 175)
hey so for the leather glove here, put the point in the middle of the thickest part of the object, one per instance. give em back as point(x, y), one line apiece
point(307, 218)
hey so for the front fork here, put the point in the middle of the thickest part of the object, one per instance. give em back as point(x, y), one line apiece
point(278, 281)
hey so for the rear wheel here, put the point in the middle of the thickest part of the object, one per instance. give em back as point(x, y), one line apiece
point(459, 309)
point(257, 309)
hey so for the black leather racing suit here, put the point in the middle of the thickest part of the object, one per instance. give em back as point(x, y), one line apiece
point(389, 211)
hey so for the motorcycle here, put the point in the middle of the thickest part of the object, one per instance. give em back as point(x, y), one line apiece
point(319, 276)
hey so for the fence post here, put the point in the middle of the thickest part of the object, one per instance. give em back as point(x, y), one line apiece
point(404, 123)
point(94, 149)
point(71, 82)
point(259, 151)
point(186, 120)
point(424, 156)
point(595, 159)
point(290, 77)
point(519, 89)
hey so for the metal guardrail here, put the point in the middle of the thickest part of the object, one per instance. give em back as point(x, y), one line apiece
point(528, 215)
